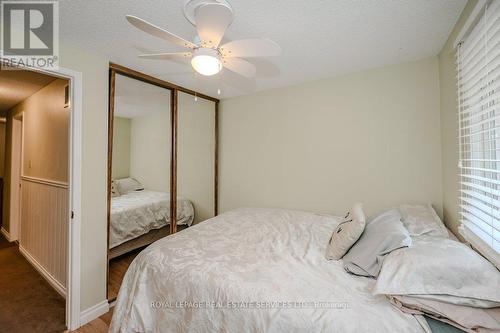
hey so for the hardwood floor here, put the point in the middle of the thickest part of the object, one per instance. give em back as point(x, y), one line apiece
point(99, 325)
point(27, 302)
point(117, 269)
point(118, 266)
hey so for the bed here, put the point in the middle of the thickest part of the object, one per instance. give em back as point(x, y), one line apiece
point(138, 213)
point(252, 270)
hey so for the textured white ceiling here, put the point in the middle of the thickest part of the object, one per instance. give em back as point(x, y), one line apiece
point(319, 38)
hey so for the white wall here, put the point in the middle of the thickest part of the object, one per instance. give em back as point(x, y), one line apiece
point(372, 137)
point(195, 154)
point(150, 150)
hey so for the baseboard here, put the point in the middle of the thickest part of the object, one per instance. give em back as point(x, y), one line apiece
point(6, 234)
point(94, 312)
point(46, 275)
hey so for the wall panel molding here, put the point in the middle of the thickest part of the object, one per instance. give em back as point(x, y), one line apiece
point(45, 181)
point(44, 227)
point(43, 272)
point(6, 234)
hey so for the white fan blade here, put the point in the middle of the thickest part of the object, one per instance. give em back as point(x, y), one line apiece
point(212, 21)
point(159, 32)
point(166, 56)
point(240, 66)
point(255, 47)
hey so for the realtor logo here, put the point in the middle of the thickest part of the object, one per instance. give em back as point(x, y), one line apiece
point(30, 34)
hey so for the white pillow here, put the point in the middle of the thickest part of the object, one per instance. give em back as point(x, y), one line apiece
point(346, 233)
point(434, 267)
point(126, 185)
point(422, 220)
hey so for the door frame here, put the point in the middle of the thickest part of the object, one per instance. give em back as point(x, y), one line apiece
point(73, 277)
point(16, 164)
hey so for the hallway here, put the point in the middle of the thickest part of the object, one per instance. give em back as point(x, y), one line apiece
point(20, 284)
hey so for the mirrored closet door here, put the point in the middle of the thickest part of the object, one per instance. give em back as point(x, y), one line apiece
point(196, 158)
point(140, 172)
point(162, 170)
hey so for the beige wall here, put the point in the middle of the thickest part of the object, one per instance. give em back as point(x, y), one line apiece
point(372, 137)
point(94, 69)
point(148, 141)
point(45, 138)
point(121, 148)
point(150, 150)
point(195, 154)
point(46, 133)
point(449, 123)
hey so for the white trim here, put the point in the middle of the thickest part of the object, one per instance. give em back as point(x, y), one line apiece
point(44, 181)
point(16, 166)
point(75, 192)
point(61, 290)
point(6, 234)
point(469, 23)
point(76, 97)
point(94, 312)
point(481, 246)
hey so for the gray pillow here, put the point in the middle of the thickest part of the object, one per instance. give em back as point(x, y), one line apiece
point(382, 235)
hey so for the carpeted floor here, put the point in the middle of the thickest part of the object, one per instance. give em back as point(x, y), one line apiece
point(5, 243)
point(27, 302)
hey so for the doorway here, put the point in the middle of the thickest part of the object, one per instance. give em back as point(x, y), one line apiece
point(43, 185)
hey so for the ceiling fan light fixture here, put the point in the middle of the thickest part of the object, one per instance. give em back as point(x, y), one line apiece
point(206, 54)
point(206, 61)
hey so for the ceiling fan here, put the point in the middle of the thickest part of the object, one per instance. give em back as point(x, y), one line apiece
point(207, 56)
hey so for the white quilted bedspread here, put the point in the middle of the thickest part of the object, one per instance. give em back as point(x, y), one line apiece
point(251, 270)
point(136, 213)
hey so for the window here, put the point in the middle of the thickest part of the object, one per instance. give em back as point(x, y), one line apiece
point(478, 60)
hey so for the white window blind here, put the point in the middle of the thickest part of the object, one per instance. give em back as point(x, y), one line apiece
point(478, 59)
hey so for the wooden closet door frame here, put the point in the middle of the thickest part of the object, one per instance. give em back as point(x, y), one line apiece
point(174, 116)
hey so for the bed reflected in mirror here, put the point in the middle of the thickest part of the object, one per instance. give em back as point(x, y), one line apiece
point(196, 137)
point(140, 173)
point(162, 170)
